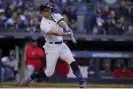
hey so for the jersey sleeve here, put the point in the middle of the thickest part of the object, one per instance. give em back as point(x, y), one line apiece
point(57, 17)
point(5, 61)
point(45, 27)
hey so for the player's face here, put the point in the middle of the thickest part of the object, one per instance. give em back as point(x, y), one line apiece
point(12, 57)
point(46, 13)
point(34, 43)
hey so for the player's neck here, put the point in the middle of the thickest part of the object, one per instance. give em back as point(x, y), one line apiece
point(47, 17)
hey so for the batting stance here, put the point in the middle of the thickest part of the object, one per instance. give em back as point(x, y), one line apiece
point(52, 25)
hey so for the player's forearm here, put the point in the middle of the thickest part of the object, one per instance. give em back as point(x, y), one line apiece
point(55, 32)
point(64, 25)
point(59, 34)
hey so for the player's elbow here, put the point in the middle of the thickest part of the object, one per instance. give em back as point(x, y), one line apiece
point(63, 24)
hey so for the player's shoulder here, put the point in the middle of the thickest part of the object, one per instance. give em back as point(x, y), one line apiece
point(4, 59)
point(56, 15)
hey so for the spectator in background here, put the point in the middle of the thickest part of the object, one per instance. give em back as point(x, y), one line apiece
point(33, 26)
point(123, 22)
point(9, 10)
point(112, 16)
point(129, 31)
point(1, 4)
point(106, 12)
point(34, 58)
point(97, 20)
point(10, 65)
point(18, 3)
point(106, 73)
point(91, 68)
point(23, 19)
point(98, 30)
point(15, 22)
point(122, 72)
point(117, 29)
point(56, 8)
point(36, 22)
point(123, 11)
point(130, 12)
point(97, 24)
point(108, 24)
point(19, 24)
point(31, 12)
point(71, 15)
point(11, 23)
point(2, 18)
point(113, 23)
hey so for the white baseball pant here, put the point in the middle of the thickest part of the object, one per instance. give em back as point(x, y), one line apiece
point(53, 52)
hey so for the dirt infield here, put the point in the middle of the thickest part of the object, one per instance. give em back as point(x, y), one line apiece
point(49, 85)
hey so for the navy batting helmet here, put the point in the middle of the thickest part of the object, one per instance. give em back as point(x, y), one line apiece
point(45, 6)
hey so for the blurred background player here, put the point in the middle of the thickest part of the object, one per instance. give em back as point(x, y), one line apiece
point(122, 72)
point(10, 66)
point(34, 57)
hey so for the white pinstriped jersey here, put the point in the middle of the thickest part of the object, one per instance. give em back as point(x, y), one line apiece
point(47, 25)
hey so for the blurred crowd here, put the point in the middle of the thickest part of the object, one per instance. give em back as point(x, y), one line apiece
point(111, 68)
point(19, 16)
point(114, 21)
point(81, 16)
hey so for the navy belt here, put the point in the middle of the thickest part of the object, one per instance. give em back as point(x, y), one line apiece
point(56, 42)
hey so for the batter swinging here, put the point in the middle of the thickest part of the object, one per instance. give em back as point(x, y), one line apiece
point(52, 26)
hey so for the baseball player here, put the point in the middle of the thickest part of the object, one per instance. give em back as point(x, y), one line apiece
point(34, 58)
point(10, 65)
point(52, 26)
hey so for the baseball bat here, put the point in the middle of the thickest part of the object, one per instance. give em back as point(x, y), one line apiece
point(73, 39)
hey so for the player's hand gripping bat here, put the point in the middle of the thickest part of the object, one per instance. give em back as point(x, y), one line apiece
point(70, 34)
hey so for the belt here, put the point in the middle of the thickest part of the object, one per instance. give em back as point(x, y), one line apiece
point(56, 42)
